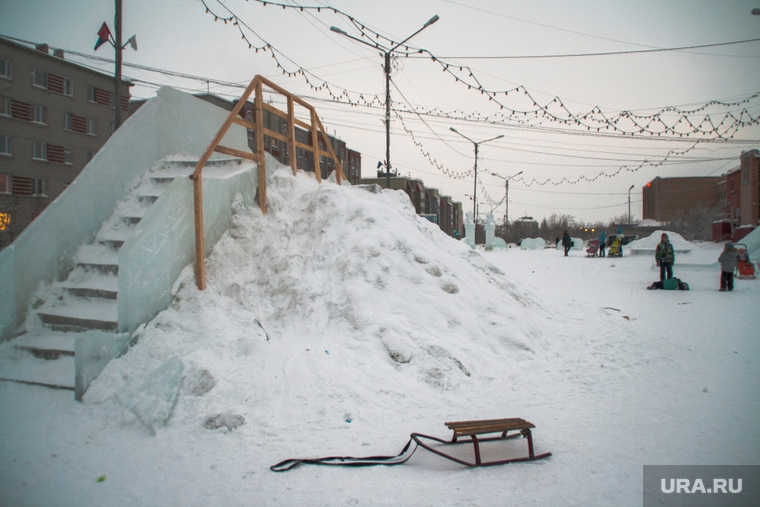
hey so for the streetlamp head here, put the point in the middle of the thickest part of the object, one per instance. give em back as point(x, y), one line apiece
point(337, 30)
point(431, 21)
point(631, 187)
point(453, 129)
point(518, 174)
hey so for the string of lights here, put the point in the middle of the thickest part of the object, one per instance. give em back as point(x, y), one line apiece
point(668, 121)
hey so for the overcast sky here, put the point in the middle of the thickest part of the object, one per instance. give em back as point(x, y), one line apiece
point(533, 50)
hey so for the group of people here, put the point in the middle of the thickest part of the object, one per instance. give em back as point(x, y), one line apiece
point(665, 256)
point(568, 243)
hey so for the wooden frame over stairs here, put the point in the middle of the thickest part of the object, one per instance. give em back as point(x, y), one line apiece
point(314, 126)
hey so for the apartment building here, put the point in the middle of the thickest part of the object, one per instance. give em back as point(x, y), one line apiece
point(54, 116)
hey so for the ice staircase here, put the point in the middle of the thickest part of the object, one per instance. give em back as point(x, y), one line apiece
point(87, 299)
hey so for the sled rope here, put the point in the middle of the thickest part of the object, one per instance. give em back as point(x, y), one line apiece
point(348, 461)
point(472, 429)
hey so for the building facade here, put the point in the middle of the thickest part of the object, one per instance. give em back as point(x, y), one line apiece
point(664, 198)
point(54, 116)
point(427, 202)
point(735, 195)
point(749, 182)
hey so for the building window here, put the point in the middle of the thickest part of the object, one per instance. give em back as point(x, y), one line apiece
point(5, 220)
point(92, 127)
point(5, 184)
point(39, 78)
point(67, 156)
point(68, 87)
point(5, 145)
point(39, 187)
point(5, 68)
point(5, 106)
point(38, 114)
point(40, 151)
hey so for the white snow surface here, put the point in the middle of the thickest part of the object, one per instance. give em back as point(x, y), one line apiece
point(341, 322)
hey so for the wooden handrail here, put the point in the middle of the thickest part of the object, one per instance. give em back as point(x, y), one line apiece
point(314, 126)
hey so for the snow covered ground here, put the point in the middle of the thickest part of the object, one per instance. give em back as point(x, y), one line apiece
point(340, 323)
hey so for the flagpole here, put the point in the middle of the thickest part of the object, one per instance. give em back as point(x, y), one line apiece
point(117, 78)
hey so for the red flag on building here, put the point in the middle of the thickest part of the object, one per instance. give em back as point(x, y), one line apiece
point(103, 34)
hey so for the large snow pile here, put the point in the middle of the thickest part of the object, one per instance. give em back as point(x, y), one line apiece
point(650, 242)
point(333, 275)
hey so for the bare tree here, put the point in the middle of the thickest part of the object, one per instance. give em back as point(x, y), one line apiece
point(695, 224)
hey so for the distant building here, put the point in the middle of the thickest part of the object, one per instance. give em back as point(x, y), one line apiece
point(523, 227)
point(735, 194)
point(427, 202)
point(665, 198)
point(750, 187)
point(54, 116)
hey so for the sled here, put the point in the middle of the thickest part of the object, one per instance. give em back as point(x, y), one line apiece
point(616, 249)
point(507, 428)
point(744, 267)
point(474, 429)
point(593, 248)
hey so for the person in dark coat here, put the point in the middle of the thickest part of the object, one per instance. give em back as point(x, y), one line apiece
point(567, 242)
point(665, 256)
point(728, 260)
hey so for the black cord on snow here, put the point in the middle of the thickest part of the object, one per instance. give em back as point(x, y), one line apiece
point(365, 461)
point(289, 464)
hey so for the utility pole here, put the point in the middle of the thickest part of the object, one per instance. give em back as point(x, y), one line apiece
point(629, 204)
point(475, 185)
point(506, 198)
point(117, 79)
point(387, 70)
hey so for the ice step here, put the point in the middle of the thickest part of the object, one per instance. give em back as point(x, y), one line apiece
point(81, 314)
point(17, 365)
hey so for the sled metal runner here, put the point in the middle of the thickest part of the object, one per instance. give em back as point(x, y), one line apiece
point(508, 429)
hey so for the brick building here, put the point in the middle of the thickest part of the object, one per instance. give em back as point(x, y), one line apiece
point(664, 198)
point(735, 195)
point(54, 116)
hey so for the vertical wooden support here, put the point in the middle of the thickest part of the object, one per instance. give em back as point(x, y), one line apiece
point(261, 152)
point(315, 145)
point(292, 135)
point(200, 268)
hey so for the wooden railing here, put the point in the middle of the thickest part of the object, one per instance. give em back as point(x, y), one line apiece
point(314, 127)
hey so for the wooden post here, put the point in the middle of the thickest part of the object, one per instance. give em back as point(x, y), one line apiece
point(262, 169)
point(200, 268)
point(315, 144)
point(292, 135)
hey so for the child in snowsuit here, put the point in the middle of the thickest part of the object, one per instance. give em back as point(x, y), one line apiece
point(665, 256)
point(728, 259)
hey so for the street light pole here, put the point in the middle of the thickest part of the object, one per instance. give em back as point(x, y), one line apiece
point(387, 70)
point(475, 191)
point(629, 204)
point(506, 198)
